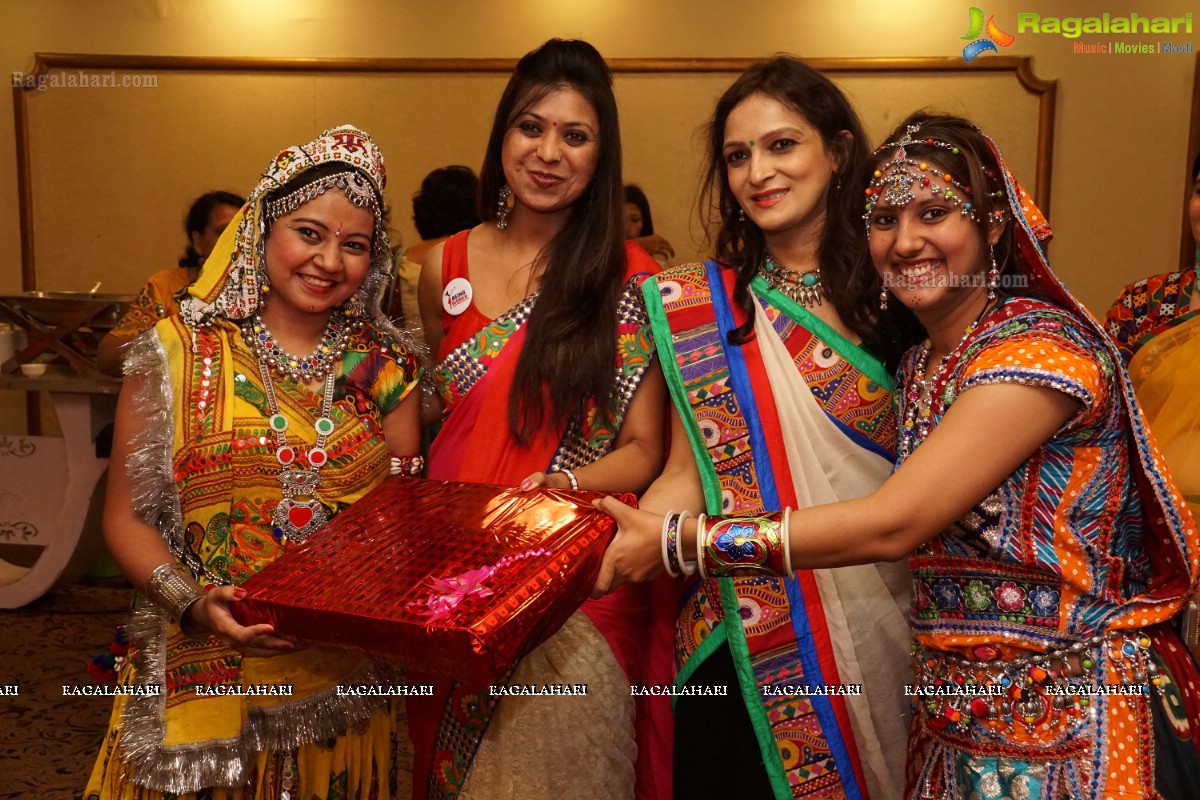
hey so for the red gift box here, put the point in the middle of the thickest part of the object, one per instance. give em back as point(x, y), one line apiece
point(448, 578)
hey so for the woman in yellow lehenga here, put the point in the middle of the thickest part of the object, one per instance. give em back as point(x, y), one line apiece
point(1156, 323)
point(229, 450)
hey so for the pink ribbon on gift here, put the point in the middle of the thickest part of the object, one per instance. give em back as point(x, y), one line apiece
point(468, 584)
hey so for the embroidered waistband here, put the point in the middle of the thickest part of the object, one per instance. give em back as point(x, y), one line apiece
point(1035, 690)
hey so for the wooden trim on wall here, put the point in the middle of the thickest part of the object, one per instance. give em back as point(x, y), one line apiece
point(24, 188)
point(1187, 242)
point(1021, 67)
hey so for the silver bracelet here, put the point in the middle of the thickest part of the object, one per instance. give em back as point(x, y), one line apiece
point(571, 477)
point(172, 588)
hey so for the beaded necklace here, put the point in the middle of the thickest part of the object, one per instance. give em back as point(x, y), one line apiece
point(300, 511)
point(918, 394)
point(802, 287)
point(312, 367)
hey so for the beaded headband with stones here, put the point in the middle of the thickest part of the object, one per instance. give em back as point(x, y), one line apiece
point(898, 181)
point(354, 185)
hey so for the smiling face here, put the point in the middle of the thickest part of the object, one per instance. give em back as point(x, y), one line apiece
point(778, 167)
point(929, 254)
point(551, 150)
point(317, 256)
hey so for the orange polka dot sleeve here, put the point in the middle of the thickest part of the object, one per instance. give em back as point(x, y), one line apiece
point(1046, 358)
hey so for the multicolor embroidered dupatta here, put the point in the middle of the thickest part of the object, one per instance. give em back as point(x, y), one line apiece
point(758, 418)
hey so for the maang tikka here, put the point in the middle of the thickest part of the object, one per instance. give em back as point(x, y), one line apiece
point(898, 181)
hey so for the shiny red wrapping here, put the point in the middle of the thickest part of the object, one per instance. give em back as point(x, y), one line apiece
point(448, 578)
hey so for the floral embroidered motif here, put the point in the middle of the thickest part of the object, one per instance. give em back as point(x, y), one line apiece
point(735, 543)
point(955, 597)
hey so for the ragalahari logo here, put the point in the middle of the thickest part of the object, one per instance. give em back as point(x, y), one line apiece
point(994, 37)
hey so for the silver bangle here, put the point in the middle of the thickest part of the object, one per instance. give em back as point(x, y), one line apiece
point(172, 588)
point(571, 477)
point(785, 533)
point(684, 569)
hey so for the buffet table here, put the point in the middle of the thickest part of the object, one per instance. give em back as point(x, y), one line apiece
point(51, 487)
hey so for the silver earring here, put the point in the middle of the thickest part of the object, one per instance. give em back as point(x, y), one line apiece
point(838, 188)
point(993, 276)
point(741, 215)
point(502, 207)
point(883, 294)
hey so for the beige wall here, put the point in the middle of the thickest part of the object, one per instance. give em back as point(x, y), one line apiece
point(1121, 129)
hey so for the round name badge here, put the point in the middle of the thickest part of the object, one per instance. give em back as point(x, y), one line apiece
point(457, 296)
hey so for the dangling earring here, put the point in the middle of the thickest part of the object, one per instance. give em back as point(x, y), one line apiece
point(837, 189)
point(502, 207)
point(356, 306)
point(883, 294)
point(741, 215)
point(993, 276)
point(256, 272)
point(264, 284)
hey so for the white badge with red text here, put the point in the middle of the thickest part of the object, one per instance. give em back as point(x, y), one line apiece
point(457, 296)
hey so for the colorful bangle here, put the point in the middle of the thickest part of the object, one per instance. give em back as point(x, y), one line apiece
point(686, 568)
point(172, 588)
point(738, 546)
point(571, 477)
point(670, 543)
point(408, 465)
point(672, 528)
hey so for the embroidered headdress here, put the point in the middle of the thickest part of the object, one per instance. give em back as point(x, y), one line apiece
point(232, 280)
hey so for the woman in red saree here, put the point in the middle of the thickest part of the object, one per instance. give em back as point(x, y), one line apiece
point(544, 367)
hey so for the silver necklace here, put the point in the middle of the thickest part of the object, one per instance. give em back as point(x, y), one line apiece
point(300, 511)
point(918, 397)
point(312, 367)
point(802, 287)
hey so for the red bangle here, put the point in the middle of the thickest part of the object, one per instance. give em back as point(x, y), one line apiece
point(742, 546)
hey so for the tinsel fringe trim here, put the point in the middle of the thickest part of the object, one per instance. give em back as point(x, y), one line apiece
point(151, 476)
point(226, 762)
point(214, 762)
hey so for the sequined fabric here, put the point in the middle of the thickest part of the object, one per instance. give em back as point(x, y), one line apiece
point(1056, 554)
point(204, 473)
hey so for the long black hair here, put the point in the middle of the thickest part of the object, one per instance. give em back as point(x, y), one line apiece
point(196, 221)
point(570, 337)
point(849, 282)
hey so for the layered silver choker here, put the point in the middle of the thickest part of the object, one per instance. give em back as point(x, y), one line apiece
point(312, 367)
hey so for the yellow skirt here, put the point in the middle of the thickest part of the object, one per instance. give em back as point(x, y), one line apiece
point(360, 763)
